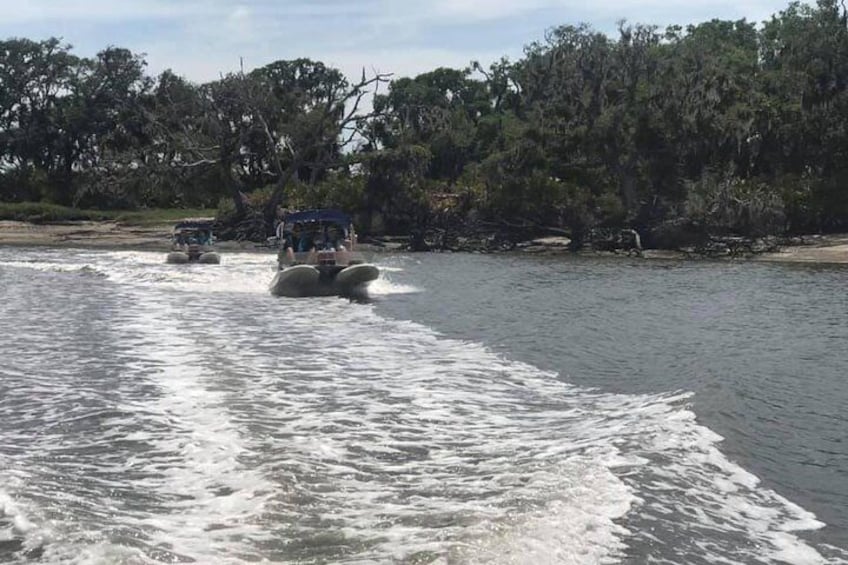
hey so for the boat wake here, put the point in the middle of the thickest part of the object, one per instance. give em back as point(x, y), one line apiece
point(18, 535)
point(237, 427)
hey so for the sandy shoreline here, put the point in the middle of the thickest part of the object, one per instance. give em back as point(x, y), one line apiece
point(825, 249)
point(818, 249)
point(105, 235)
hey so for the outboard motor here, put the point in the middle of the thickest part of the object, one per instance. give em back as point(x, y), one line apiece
point(326, 257)
point(194, 252)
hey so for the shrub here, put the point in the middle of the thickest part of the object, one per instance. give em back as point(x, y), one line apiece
point(728, 205)
point(41, 212)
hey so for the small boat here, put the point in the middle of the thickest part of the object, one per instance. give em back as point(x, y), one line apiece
point(192, 243)
point(317, 257)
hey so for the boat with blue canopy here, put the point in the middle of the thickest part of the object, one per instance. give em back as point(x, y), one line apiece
point(192, 242)
point(318, 257)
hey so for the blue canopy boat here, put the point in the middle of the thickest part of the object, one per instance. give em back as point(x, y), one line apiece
point(317, 256)
point(192, 242)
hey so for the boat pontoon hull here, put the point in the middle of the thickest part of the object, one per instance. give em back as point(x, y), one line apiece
point(192, 242)
point(323, 280)
point(181, 257)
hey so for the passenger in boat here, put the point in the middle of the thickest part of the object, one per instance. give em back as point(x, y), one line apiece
point(299, 240)
point(285, 239)
point(326, 240)
point(280, 230)
point(334, 238)
point(308, 243)
point(307, 240)
point(290, 239)
point(280, 219)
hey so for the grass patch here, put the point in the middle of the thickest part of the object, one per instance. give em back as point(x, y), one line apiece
point(43, 213)
point(40, 212)
point(154, 216)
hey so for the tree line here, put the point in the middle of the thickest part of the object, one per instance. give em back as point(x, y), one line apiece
point(723, 127)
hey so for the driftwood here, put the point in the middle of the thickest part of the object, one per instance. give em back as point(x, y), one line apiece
point(249, 227)
point(732, 246)
point(625, 240)
point(451, 231)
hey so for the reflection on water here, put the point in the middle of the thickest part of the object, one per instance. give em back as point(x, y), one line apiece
point(153, 413)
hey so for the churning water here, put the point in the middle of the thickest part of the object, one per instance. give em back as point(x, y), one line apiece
point(478, 410)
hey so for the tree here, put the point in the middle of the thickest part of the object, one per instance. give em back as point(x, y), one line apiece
point(33, 78)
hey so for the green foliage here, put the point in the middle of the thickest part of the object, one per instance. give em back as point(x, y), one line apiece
point(345, 192)
point(42, 212)
point(732, 206)
point(583, 131)
point(156, 216)
point(226, 211)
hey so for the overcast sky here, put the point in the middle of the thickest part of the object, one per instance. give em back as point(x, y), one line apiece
point(200, 39)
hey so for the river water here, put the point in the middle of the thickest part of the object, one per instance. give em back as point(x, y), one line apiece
point(477, 409)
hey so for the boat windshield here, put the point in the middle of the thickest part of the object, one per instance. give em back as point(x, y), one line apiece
point(322, 215)
point(316, 230)
point(187, 235)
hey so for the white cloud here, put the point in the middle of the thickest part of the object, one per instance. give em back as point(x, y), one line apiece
point(481, 10)
point(203, 38)
point(33, 11)
point(202, 64)
point(240, 13)
point(240, 25)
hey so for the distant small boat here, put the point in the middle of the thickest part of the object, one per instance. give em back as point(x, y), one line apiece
point(317, 257)
point(192, 243)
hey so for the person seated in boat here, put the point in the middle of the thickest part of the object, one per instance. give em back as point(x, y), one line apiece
point(335, 239)
point(285, 239)
point(186, 241)
point(281, 224)
point(331, 238)
point(299, 240)
point(283, 229)
point(289, 238)
point(309, 243)
point(306, 241)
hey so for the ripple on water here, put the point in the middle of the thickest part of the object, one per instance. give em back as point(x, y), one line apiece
point(216, 423)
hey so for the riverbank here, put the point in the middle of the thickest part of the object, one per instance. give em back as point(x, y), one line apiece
point(156, 237)
point(814, 249)
point(100, 234)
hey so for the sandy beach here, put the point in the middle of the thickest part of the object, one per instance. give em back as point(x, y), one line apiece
point(85, 234)
point(825, 249)
point(107, 235)
point(816, 249)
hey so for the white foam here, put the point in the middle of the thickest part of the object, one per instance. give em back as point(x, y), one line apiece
point(687, 475)
point(575, 527)
point(385, 286)
point(217, 496)
point(318, 417)
point(9, 511)
point(438, 399)
point(19, 525)
point(55, 267)
point(239, 272)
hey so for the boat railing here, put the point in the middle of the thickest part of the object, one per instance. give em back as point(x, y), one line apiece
point(322, 257)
